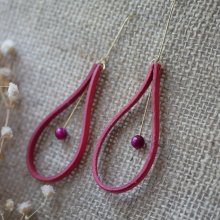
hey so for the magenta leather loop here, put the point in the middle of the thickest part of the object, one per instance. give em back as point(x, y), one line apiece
point(90, 82)
point(153, 77)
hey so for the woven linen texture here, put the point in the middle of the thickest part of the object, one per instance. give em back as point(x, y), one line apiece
point(57, 42)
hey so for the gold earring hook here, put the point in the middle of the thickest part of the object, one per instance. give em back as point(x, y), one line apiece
point(157, 59)
point(103, 60)
point(166, 30)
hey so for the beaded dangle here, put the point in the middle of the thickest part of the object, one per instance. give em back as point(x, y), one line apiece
point(152, 79)
point(61, 133)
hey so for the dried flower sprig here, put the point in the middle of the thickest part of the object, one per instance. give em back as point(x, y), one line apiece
point(48, 191)
point(25, 207)
point(2, 215)
point(8, 48)
point(8, 208)
point(8, 91)
point(9, 205)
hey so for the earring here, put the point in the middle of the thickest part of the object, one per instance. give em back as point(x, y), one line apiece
point(61, 132)
point(153, 79)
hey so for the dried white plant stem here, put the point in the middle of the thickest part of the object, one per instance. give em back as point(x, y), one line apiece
point(1, 148)
point(2, 138)
point(22, 216)
point(4, 98)
point(7, 116)
point(48, 191)
point(38, 209)
point(2, 216)
point(11, 96)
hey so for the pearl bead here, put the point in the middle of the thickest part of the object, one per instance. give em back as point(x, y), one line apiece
point(137, 141)
point(61, 133)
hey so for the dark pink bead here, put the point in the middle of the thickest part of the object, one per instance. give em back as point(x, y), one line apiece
point(61, 133)
point(137, 141)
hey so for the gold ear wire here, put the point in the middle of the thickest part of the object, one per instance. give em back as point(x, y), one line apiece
point(103, 60)
point(157, 59)
point(166, 30)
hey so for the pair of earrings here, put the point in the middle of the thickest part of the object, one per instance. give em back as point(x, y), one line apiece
point(152, 79)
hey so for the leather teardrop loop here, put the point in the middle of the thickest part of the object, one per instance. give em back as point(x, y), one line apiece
point(90, 82)
point(153, 77)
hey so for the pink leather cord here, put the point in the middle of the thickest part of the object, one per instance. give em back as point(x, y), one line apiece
point(153, 77)
point(90, 82)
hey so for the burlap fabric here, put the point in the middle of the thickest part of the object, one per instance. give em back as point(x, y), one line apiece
point(57, 42)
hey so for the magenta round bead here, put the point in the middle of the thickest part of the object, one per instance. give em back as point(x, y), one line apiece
point(137, 141)
point(61, 133)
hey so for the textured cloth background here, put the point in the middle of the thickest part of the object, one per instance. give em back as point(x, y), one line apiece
point(57, 42)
